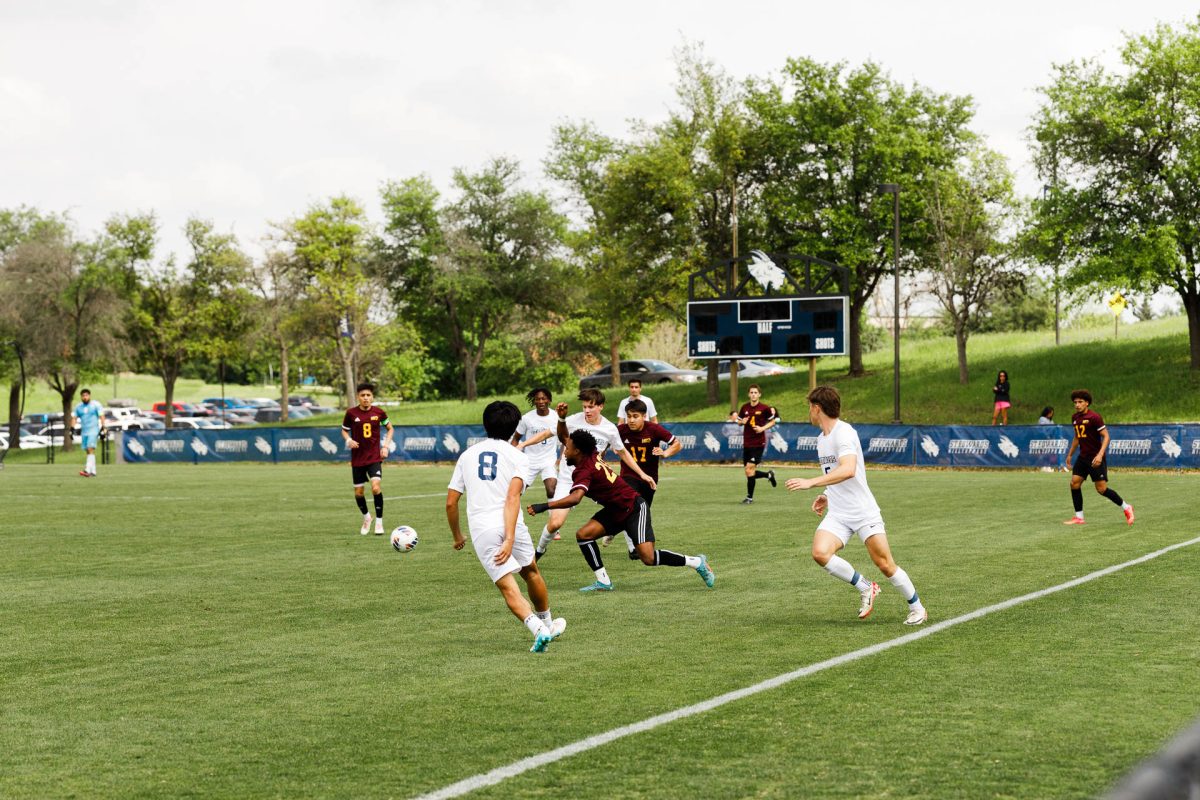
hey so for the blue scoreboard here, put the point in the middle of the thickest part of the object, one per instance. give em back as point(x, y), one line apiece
point(787, 327)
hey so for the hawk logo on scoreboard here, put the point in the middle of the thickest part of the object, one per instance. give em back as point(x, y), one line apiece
point(765, 271)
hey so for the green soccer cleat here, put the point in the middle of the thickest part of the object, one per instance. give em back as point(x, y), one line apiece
point(598, 587)
point(706, 572)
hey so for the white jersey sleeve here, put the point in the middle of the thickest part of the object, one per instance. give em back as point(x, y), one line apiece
point(531, 425)
point(851, 499)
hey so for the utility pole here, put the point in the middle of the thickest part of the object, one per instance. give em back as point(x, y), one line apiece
point(733, 362)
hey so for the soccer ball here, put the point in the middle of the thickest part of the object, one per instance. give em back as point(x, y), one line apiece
point(404, 539)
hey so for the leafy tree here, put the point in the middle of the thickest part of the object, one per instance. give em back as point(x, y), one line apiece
point(1123, 147)
point(970, 207)
point(821, 138)
point(469, 268)
point(279, 288)
point(70, 314)
point(330, 248)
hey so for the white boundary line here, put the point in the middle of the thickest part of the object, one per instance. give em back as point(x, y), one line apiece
point(550, 756)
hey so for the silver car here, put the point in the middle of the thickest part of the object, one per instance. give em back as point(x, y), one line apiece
point(646, 369)
point(752, 368)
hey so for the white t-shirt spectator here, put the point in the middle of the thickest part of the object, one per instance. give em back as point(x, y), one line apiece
point(651, 411)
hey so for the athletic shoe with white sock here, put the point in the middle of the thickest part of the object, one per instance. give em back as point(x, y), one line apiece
point(771, 478)
point(749, 501)
point(557, 627)
point(541, 641)
point(378, 527)
point(1078, 520)
point(917, 616)
point(366, 526)
point(597, 586)
point(868, 601)
point(706, 574)
point(1128, 509)
point(606, 541)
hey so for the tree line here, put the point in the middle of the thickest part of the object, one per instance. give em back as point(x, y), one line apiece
point(497, 286)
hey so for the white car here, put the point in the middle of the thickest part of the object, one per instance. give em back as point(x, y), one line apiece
point(752, 368)
point(200, 423)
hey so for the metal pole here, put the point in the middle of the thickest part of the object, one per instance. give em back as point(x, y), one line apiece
point(733, 362)
point(896, 310)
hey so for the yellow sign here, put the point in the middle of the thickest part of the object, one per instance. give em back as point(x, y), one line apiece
point(1117, 304)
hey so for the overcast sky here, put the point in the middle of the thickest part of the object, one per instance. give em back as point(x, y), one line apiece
point(247, 112)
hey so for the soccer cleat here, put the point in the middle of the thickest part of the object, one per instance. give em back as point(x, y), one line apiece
point(1128, 515)
point(771, 478)
point(541, 642)
point(537, 555)
point(557, 536)
point(85, 473)
point(1079, 520)
point(606, 541)
point(597, 586)
point(366, 527)
point(748, 501)
point(557, 627)
point(706, 572)
point(378, 527)
point(917, 617)
point(868, 601)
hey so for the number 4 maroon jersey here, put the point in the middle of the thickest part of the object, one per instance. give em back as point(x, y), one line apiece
point(365, 427)
point(641, 443)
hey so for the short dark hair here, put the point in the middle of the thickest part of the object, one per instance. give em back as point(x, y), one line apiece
point(592, 395)
point(1047, 411)
point(632, 381)
point(85, 391)
point(636, 405)
point(500, 419)
point(584, 442)
point(534, 392)
point(828, 399)
point(1082, 394)
point(753, 386)
point(370, 387)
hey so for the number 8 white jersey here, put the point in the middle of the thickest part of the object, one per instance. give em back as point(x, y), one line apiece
point(851, 499)
point(483, 473)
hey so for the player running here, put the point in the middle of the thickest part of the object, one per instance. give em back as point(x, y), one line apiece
point(851, 506)
point(361, 430)
point(537, 437)
point(89, 416)
point(1091, 437)
point(492, 475)
point(591, 419)
point(647, 442)
point(756, 418)
point(622, 510)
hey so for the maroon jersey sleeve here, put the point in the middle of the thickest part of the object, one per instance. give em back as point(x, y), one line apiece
point(604, 486)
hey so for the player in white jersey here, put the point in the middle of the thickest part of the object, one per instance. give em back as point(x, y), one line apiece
point(635, 393)
point(492, 475)
point(607, 437)
point(537, 436)
point(851, 507)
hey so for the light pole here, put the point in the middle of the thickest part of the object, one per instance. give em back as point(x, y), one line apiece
point(894, 190)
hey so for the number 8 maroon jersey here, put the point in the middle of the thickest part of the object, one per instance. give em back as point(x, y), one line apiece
point(366, 428)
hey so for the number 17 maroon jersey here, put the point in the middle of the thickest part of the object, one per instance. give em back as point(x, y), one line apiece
point(641, 444)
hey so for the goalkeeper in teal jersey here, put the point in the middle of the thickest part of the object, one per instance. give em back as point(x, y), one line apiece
point(89, 416)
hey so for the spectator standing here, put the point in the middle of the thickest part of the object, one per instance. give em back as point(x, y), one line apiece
point(1003, 398)
point(1047, 417)
point(635, 393)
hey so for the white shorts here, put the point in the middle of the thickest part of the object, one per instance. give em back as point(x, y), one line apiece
point(844, 529)
point(487, 543)
point(540, 471)
point(563, 488)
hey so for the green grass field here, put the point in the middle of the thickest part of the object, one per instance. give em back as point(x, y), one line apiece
point(223, 631)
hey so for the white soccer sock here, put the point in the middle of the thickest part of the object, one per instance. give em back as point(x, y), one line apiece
point(545, 617)
point(91, 463)
point(902, 582)
point(602, 575)
point(691, 561)
point(367, 517)
point(535, 624)
point(1126, 506)
point(840, 568)
point(544, 540)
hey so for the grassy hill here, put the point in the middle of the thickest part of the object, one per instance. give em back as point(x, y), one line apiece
point(1142, 376)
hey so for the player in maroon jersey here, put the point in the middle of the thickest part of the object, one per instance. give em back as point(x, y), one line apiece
point(361, 430)
point(647, 442)
point(1091, 437)
point(756, 418)
point(622, 510)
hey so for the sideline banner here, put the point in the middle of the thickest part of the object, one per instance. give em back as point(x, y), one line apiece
point(1023, 446)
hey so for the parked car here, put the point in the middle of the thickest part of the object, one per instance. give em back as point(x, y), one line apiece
point(127, 419)
point(240, 417)
point(752, 368)
point(227, 403)
point(267, 415)
point(648, 370)
point(181, 409)
point(200, 424)
point(262, 402)
point(300, 400)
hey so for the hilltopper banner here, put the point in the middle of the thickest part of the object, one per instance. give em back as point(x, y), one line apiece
point(1145, 446)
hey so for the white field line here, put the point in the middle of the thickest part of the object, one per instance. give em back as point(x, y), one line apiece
point(574, 748)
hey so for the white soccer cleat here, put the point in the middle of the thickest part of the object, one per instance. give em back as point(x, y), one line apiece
point(606, 541)
point(557, 627)
point(917, 617)
point(868, 601)
point(378, 527)
point(366, 527)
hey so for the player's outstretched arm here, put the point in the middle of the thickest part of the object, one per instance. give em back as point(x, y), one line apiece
point(541, 437)
point(844, 471)
point(452, 498)
point(571, 500)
